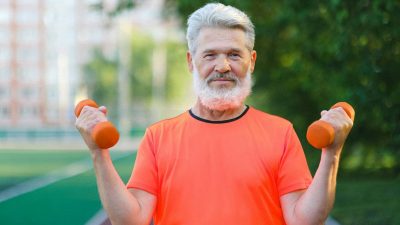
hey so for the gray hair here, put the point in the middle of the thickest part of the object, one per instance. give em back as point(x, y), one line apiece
point(220, 16)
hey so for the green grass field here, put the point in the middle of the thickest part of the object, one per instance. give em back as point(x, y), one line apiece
point(368, 201)
point(74, 200)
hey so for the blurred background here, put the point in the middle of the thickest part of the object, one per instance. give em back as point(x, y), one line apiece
point(129, 55)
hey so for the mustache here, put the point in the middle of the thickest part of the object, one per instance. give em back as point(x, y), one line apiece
point(228, 76)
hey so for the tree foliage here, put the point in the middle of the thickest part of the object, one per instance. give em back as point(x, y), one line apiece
point(100, 77)
point(116, 8)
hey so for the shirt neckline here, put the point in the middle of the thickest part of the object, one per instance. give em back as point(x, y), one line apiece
point(219, 121)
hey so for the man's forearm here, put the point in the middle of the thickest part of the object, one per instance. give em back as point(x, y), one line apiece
point(314, 205)
point(121, 206)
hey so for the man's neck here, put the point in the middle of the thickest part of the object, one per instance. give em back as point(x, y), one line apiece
point(216, 115)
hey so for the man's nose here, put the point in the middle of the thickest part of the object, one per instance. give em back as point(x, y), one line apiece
point(222, 65)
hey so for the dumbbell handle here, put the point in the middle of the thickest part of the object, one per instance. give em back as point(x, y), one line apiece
point(104, 134)
point(321, 134)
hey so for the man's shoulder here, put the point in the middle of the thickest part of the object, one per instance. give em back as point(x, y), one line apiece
point(271, 119)
point(169, 122)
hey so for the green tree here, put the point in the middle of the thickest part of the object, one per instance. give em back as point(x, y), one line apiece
point(120, 5)
point(140, 67)
point(100, 77)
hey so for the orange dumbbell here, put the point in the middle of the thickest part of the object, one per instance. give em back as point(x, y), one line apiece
point(104, 134)
point(321, 134)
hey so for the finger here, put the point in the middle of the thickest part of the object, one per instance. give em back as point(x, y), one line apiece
point(91, 115)
point(87, 121)
point(323, 112)
point(103, 109)
point(85, 110)
point(342, 111)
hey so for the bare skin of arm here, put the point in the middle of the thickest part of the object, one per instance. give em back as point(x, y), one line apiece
point(123, 206)
point(312, 206)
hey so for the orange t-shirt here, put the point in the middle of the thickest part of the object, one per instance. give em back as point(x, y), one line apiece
point(229, 172)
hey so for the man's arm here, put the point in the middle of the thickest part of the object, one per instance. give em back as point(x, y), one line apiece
point(312, 206)
point(123, 206)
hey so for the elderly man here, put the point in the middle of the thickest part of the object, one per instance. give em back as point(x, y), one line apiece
point(221, 162)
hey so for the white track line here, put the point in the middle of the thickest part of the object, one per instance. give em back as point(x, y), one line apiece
point(331, 221)
point(99, 218)
point(45, 180)
point(42, 181)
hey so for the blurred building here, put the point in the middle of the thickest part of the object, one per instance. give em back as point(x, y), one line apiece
point(43, 44)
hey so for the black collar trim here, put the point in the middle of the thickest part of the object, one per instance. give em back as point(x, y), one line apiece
point(219, 121)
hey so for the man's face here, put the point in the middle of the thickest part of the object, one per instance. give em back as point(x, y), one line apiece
point(222, 66)
point(222, 50)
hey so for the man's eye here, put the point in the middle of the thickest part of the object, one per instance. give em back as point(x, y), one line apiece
point(234, 55)
point(209, 56)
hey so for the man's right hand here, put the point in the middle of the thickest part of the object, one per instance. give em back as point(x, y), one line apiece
point(87, 120)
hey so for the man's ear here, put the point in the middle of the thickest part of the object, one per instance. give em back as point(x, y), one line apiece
point(189, 61)
point(253, 60)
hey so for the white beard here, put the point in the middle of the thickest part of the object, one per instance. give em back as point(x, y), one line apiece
point(222, 98)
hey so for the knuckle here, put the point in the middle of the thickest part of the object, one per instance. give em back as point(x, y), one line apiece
point(78, 124)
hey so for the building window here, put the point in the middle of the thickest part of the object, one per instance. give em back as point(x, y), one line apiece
point(5, 15)
point(29, 93)
point(4, 93)
point(28, 112)
point(28, 35)
point(5, 55)
point(52, 114)
point(4, 112)
point(4, 34)
point(27, 16)
point(5, 73)
point(27, 54)
point(27, 74)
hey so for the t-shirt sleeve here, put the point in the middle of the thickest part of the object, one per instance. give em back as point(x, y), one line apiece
point(144, 173)
point(294, 173)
